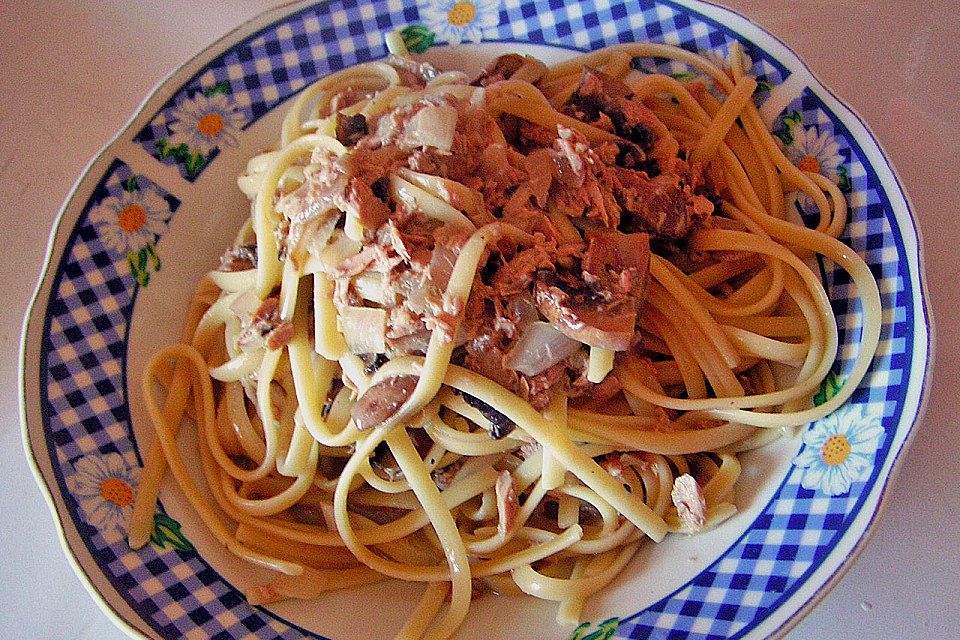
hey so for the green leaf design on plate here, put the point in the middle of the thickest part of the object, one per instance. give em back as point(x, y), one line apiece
point(142, 262)
point(843, 176)
point(154, 258)
point(166, 533)
point(177, 152)
point(137, 262)
point(417, 38)
point(604, 630)
point(193, 162)
point(762, 85)
point(683, 76)
point(163, 147)
point(131, 184)
point(221, 87)
point(132, 263)
point(830, 386)
point(789, 122)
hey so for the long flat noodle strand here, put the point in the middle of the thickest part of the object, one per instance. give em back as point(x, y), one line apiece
point(312, 379)
point(233, 281)
point(756, 129)
point(264, 222)
point(361, 76)
point(859, 272)
point(724, 307)
point(310, 584)
point(713, 240)
point(558, 589)
point(666, 443)
point(581, 465)
point(166, 439)
point(720, 376)
point(763, 175)
point(140, 527)
point(446, 528)
point(425, 611)
point(691, 374)
point(141, 521)
point(723, 120)
point(274, 504)
point(641, 50)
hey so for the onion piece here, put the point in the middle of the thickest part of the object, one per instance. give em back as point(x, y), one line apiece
point(457, 195)
point(371, 286)
point(431, 126)
point(441, 265)
point(339, 248)
point(364, 329)
point(246, 305)
point(521, 310)
point(540, 347)
point(428, 204)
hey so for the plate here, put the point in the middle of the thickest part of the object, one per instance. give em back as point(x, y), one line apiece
point(156, 207)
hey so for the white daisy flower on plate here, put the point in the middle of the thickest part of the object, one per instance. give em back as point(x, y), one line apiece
point(839, 449)
point(105, 488)
point(814, 152)
point(204, 123)
point(457, 21)
point(130, 221)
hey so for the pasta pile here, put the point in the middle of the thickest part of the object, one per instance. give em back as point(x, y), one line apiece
point(405, 369)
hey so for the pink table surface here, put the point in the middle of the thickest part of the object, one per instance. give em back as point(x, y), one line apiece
point(71, 74)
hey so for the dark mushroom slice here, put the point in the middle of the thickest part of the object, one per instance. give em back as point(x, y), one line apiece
point(601, 311)
point(591, 323)
point(381, 401)
point(501, 425)
point(599, 93)
point(351, 128)
point(511, 65)
point(664, 205)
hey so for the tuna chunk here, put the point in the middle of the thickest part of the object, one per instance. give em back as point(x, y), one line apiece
point(691, 505)
point(601, 95)
point(511, 65)
point(664, 206)
point(266, 327)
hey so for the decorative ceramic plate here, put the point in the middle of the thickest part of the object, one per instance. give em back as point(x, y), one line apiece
point(154, 210)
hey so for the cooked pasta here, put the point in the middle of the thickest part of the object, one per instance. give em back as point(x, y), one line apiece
point(491, 336)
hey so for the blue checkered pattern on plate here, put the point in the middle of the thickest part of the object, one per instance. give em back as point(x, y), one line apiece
point(84, 374)
point(85, 344)
point(95, 289)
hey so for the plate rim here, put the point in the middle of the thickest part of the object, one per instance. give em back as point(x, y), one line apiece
point(165, 88)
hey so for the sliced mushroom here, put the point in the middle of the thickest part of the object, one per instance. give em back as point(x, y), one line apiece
point(382, 400)
point(601, 311)
point(351, 128)
point(587, 322)
point(511, 66)
point(600, 97)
